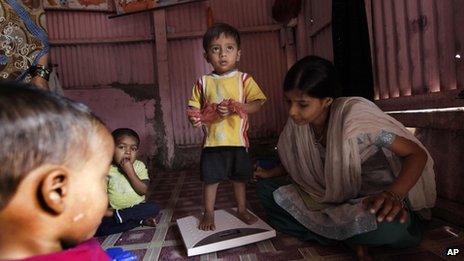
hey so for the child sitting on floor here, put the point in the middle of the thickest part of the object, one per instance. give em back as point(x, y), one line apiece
point(54, 160)
point(127, 186)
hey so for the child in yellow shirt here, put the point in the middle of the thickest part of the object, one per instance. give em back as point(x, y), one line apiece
point(224, 155)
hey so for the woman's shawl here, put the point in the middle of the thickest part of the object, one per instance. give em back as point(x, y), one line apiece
point(23, 39)
point(339, 180)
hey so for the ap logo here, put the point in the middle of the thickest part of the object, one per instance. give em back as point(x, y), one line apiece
point(452, 252)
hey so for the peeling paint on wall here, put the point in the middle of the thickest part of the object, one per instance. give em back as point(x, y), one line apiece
point(139, 92)
point(117, 109)
point(159, 157)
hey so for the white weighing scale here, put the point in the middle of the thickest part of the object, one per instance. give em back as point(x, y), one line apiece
point(230, 232)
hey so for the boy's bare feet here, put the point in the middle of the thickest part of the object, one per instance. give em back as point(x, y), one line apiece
point(247, 217)
point(362, 253)
point(207, 221)
point(150, 222)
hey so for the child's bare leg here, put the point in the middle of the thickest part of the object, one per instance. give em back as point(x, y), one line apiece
point(109, 212)
point(209, 197)
point(240, 197)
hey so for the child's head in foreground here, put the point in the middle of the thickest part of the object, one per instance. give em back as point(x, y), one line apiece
point(54, 159)
point(221, 44)
point(127, 143)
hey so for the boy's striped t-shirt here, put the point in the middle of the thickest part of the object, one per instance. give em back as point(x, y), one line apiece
point(213, 88)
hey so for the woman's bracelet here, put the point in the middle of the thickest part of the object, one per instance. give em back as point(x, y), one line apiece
point(41, 71)
point(395, 197)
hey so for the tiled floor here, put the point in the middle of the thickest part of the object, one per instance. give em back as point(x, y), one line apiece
point(179, 195)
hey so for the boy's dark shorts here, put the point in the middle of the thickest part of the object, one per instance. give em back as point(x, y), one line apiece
point(225, 163)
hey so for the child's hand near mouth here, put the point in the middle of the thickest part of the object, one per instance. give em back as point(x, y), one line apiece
point(126, 166)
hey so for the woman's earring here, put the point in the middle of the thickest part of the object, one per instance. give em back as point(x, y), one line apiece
point(329, 102)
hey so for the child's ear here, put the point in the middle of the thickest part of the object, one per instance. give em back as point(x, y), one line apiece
point(239, 53)
point(53, 190)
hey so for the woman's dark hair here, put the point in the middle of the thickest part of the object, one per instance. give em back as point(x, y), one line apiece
point(118, 133)
point(37, 128)
point(314, 76)
point(216, 30)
